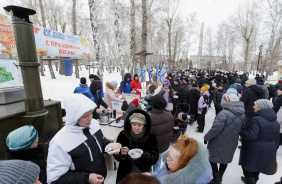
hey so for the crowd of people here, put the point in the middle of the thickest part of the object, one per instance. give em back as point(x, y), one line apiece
point(247, 111)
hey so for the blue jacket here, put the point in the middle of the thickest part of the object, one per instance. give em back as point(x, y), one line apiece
point(197, 171)
point(91, 96)
point(81, 88)
point(260, 142)
point(125, 86)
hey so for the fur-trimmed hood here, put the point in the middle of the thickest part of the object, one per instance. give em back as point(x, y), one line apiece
point(127, 125)
point(196, 167)
point(110, 86)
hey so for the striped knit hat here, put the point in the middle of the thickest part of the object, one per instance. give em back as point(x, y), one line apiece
point(264, 104)
point(18, 172)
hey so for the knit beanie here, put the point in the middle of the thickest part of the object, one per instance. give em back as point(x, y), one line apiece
point(158, 102)
point(135, 102)
point(82, 80)
point(232, 98)
point(114, 83)
point(264, 104)
point(188, 148)
point(234, 86)
point(238, 81)
point(124, 105)
point(251, 82)
point(21, 138)
point(205, 88)
point(137, 118)
point(199, 75)
point(91, 76)
point(177, 80)
point(18, 171)
point(166, 83)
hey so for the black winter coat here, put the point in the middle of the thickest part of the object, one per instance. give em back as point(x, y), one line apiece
point(180, 93)
point(34, 155)
point(148, 144)
point(277, 104)
point(250, 95)
point(193, 98)
point(201, 81)
point(260, 142)
point(244, 79)
point(217, 96)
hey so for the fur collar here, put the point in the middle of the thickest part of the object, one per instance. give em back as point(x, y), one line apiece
point(109, 85)
point(190, 173)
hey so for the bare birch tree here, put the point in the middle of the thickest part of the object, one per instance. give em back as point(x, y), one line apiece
point(170, 12)
point(74, 17)
point(132, 38)
point(246, 21)
point(93, 7)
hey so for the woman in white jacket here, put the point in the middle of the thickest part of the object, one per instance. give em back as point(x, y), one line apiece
point(110, 93)
point(76, 152)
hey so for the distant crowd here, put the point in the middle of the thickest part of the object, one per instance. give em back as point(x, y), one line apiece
point(248, 110)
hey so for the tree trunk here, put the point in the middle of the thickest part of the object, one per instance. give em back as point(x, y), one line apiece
point(175, 49)
point(246, 58)
point(144, 33)
point(42, 13)
point(74, 17)
point(275, 52)
point(169, 45)
point(94, 24)
point(132, 39)
point(117, 34)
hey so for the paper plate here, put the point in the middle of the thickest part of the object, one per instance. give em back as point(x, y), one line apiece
point(112, 145)
point(130, 153)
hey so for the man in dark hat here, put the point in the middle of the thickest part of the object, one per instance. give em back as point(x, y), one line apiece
point(82, 86)
point(200, 80)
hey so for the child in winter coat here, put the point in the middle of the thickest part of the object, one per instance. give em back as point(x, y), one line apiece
point(82, 86)
point(151, 90)
point(187, 162)
point(168, 94)
point(203, 106)
point(110, 93)
point(217, 98)
point(23, 145)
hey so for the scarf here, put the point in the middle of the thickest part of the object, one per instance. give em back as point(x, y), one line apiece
point(137, 136)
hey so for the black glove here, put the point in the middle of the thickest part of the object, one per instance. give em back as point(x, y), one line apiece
point(205, 142)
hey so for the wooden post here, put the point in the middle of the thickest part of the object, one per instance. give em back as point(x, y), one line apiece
point(51, 69)
point(42, 66)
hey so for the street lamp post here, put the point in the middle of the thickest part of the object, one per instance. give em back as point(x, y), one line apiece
point(260, 51)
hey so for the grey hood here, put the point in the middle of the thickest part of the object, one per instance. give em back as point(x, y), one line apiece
point(236, 108)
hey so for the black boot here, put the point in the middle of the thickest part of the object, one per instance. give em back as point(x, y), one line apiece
point(249, 180)
point(215, 179)
point(220, 175)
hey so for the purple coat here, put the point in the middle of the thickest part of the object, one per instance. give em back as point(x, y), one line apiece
point(203, 102)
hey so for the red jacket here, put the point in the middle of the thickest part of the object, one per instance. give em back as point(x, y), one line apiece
point(136, 84)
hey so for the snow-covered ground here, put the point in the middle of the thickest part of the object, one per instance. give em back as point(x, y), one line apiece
point(61, 87)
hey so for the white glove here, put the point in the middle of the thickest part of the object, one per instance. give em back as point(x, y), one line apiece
point(98, 110)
